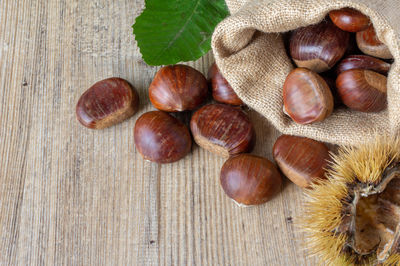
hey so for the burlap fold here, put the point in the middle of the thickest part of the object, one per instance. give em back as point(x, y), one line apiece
point(249, 50)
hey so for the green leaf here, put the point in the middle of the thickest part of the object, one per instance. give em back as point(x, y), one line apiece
point(171, 31)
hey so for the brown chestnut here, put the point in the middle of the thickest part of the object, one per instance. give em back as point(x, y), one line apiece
point(349, 19)
point(302, 160)
point(318, 47)
point(362, 90)
point(221, 90)
point(161, 138)
point(363, 62)
point(250, 179)
point(306, 96)
point(178, 88)
point(369, 44)
point(222, 129)
point(106, 103)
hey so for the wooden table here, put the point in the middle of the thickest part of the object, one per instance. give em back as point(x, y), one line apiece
point(73, 196)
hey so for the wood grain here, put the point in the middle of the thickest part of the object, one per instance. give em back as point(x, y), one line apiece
point(73, 196)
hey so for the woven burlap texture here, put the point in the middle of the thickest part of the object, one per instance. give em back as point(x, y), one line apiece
point(250, 53)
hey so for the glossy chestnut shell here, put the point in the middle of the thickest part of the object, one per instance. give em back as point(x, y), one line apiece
point(302, 160)
point(363, 90)
point(221, 90)
point(318, 47)
point(363, 62)
point(178, 88)
point(222, 129)
point(250, 179)
point(307, 97)
point(161, 138)
point(107, 103)
point(349, 19)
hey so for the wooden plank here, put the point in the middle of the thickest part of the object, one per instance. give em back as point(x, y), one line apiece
point(73, 196)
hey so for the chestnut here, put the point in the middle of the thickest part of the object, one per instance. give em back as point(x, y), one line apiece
point(250, 179)
point(161, 138)
point(106, 103)
point(349, 19)
point(302, 160)
point(363, 62)
point(369, 44)
point(362, 90)
point(318, 47)
point(221, 90)
point(222, 129)
point(178, 88)
point(306, 96)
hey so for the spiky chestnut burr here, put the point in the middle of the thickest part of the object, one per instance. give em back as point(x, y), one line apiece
point(353, 217)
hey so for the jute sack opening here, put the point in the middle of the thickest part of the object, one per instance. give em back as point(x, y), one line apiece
point(250, 53)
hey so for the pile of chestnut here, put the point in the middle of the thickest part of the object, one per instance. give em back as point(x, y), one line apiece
point(224, 129)
point(332, 69)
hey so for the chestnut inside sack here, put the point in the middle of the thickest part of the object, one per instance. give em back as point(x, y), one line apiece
point(249, 49)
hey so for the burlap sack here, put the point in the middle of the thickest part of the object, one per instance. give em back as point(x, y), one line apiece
point(250, 53)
